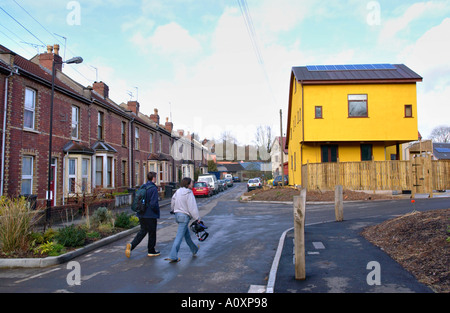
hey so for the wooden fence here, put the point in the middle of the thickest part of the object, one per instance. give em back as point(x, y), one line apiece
point(419, 175)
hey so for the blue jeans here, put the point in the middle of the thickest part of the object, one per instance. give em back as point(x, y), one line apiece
point(183, 232)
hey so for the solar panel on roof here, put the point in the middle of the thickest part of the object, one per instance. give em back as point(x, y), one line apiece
point(350, 67)
point(443, 150)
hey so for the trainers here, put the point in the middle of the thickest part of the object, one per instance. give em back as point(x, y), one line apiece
point(155, 253)
point(128, 250)
point(198, 248)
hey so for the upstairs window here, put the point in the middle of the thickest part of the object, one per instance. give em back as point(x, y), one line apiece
point(408, 110)
point(100, 122)
point(75, 122)
point(357, 106)
point(136, 138)
point(30, 106)
point(124, 134)
point(318, 112)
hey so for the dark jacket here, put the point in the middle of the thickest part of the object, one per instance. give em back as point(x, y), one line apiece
point(151, 202)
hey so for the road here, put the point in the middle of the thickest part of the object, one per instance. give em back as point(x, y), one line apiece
point(236, 257)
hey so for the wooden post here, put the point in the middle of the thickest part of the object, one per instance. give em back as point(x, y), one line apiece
point(412, 175)
point(299, 234)
point(339, 203)
point(430, 175)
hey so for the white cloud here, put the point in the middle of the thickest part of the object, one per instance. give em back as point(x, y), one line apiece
point(428, 56)
point(392, 28)
point(170, 39)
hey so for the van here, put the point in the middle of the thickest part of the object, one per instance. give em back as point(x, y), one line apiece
point(228, 176)
point(211, 180)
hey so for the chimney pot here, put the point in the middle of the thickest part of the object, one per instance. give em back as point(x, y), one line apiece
point(155, 117)
point(133, 106)
point(169, 125)
point(101, 88)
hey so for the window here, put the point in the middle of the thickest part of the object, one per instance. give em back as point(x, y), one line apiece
point(99, 171)
point(329, 153)
point(100, 121)
point(27, 175)
point(124, 134)
point(151, 142)
point(84, 175)
point(136, 174)
point(160, 143)
point(408, 110)
point(109, 166)
point(318, 112)
point(136, 138)
point(30, 106)
point(75, 122)
point(366, 152)
point(72, 175)
point(124, 173)
point(357, 106)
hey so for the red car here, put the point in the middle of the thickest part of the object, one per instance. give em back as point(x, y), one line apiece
point(201, 189)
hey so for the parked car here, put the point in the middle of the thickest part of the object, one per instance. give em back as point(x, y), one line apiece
point(253, 183)
point(201, 189)
point(222, 185)
point(277, 181)
point(229, 182)
point(236, 179)
point(211, 180)
point(228, 176)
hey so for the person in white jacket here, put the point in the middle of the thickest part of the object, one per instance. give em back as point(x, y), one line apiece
point(184, 206)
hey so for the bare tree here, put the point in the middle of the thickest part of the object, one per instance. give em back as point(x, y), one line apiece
point(264, 137)
point(441, 134)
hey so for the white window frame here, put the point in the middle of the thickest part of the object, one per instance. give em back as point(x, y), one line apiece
point(30, 106)
point(75, 122)
point(70, 176)
point(27, 176)
point(136, 138)
point(85, 175)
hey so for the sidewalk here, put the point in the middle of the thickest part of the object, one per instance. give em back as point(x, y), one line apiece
point(164, 205)
point(337, 261)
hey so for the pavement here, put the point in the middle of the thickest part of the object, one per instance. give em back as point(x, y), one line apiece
point(339, 260)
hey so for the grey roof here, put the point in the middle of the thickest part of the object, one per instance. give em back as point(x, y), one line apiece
point(399, 72)
point(441, 151)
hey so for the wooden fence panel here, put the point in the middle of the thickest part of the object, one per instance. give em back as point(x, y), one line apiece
point(374, 175)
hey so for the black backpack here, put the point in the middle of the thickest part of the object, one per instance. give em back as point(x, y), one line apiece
point(138, 204)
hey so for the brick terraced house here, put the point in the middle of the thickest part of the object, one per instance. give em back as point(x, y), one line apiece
point(96, 143)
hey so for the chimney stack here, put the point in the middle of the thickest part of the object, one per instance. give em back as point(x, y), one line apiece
point(133, 106)
point(155, 117)
point(46, 59)
point(101, 88)
point(169, 125)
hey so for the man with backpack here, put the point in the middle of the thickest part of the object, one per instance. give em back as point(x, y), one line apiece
point(147, 218)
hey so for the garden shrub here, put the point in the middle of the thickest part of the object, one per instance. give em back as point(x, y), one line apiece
point(102, 216)
point(71, 236)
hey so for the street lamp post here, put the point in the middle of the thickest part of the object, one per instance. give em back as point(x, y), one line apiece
point(75, 60)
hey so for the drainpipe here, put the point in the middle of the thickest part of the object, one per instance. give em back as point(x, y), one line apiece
point(5, 112)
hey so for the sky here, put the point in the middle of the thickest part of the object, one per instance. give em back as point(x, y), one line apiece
point(207, 70)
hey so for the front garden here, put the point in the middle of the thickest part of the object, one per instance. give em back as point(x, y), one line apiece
point(21, 238)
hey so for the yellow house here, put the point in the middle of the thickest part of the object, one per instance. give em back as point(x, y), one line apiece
point(349, 113)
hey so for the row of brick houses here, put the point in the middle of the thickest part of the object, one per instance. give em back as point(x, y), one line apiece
point(96, 143)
